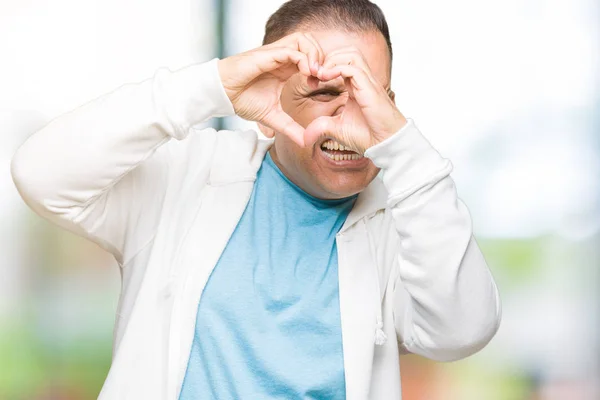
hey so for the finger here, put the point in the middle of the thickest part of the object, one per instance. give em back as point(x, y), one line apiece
point(282, 55)
point(321, 53)
point(353, 134)
point(282, 123)
point(356, 75)
point(343, 55)
point(368, 94)
point(349, 57)
point(306, 46)
point(320, 127)
point(301, 42)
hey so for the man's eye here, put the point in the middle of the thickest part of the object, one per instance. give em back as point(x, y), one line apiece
point(325, 94)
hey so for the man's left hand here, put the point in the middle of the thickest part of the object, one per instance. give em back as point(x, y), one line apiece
point(369, 115)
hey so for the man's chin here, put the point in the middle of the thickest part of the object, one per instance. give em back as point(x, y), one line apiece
point(339, 182)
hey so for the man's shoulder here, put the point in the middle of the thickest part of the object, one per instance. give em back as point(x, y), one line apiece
point(233, 154)
point(241, 141)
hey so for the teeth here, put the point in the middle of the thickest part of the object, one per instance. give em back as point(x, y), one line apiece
point(333, 145)
point(342, 157)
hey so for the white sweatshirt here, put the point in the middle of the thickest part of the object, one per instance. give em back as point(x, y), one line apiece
point(409, 266)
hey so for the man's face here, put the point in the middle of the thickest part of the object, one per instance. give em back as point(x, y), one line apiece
point(309, 167)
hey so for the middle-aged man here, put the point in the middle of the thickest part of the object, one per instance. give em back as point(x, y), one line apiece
point(294, 267)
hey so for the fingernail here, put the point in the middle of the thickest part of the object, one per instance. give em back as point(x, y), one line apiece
point(315, 65)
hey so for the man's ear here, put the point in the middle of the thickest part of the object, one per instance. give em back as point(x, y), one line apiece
point(268, 132)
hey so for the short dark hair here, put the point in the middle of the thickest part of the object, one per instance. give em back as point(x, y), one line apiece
point(347, 15)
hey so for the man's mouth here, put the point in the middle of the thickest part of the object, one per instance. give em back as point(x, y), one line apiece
point(337, 152)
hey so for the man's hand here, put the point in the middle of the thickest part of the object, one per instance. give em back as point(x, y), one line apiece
point(369, 115)
point(253, 80)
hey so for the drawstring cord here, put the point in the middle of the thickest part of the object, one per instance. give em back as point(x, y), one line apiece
point(380, 336)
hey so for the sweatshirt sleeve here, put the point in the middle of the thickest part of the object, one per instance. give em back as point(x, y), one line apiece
point(453, 307)
point(101, 170)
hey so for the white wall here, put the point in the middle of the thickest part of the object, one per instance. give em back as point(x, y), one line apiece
point(506, 90)
point(57, 55)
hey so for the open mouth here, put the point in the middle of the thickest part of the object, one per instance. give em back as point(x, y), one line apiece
point(337, 152)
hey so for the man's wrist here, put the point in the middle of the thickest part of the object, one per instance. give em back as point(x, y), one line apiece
point(406, 159)
point(399, 122)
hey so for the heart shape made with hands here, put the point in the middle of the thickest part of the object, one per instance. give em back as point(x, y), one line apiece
point(368, 116)
point(254, 82)
point(349, 128)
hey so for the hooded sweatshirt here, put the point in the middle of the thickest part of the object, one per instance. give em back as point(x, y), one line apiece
point(130, 172)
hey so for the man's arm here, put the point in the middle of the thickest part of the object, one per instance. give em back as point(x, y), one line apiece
point(101, 170)
point(453, 306)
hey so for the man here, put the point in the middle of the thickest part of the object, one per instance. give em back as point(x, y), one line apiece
point(277, 268)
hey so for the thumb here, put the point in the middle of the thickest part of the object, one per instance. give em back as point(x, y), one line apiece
point(322, 126)
point(281, 122)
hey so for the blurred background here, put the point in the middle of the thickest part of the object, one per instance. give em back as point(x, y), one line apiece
point(508, 90)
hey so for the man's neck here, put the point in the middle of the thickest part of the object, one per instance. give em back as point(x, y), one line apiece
point(298, 182)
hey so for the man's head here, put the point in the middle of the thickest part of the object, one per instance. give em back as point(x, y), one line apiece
point(335, 25)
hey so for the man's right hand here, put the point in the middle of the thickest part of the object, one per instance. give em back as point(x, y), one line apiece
point(253, 80)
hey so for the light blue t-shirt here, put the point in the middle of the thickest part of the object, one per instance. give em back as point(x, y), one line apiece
point(268, 321)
